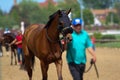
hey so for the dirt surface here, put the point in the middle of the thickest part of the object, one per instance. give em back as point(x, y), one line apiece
point(107, 64)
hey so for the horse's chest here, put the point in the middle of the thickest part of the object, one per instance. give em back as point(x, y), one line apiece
point(53, 56)
point(54, 52)
point(51, 53)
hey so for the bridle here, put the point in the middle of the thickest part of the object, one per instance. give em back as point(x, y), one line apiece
point(61, 29)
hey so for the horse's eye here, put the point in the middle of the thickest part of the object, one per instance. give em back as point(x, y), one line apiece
point(60, 15)
point(61, 22)
point(68, 38)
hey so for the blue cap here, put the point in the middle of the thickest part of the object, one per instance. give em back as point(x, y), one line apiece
point(77, 21)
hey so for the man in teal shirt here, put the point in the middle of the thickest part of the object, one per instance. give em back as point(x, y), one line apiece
point(76, 50)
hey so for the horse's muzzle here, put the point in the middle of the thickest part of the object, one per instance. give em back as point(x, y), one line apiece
point(67, 30)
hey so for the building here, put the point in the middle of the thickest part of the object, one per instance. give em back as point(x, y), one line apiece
point(101, 14)
point(45, 4)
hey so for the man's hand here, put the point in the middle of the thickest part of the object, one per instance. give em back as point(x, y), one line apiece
point(9, 44)
point(94, 59)
point(16, 43)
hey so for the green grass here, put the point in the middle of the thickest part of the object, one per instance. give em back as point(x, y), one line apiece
point(109, 44)
point(117, 36)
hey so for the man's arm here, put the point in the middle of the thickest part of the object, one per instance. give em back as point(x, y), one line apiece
point(18, 42)
point(13, 42)
point(92, 52)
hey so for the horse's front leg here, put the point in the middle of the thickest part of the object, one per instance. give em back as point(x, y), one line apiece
point(11, 57)
point(15, 57)
point(58, 64)
point(44, 68)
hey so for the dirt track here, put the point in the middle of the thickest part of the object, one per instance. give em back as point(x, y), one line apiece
point(107, 63)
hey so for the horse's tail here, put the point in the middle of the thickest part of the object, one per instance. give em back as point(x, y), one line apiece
point(29, 57)
point(33, 61)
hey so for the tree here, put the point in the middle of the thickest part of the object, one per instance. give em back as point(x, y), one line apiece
point(114, 16)
point(1, 17)
point(98, 4)
point(1, 13)
point(6, 21)
point(15, 14)
point(29, 11)
point(35, 13)
point(73, 4)
point(88, 17)
point(117, 6)
point(45, 12)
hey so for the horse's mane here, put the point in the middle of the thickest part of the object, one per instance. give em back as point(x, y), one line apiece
point(51, 17)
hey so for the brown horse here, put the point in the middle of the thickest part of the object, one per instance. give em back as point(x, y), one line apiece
point(44, 43)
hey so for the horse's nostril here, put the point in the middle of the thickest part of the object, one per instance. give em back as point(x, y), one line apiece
point(70, 39)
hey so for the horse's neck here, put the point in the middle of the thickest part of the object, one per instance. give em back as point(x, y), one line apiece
point(52, 30)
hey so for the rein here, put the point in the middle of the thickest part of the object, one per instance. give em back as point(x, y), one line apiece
point(53, 41)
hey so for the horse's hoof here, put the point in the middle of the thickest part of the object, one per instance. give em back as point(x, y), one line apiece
point(15, 63)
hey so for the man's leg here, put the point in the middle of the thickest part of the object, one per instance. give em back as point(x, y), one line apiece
point(77, 70)
point(18, 54)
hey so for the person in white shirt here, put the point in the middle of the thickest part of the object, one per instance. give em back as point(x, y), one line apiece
point(7, 31)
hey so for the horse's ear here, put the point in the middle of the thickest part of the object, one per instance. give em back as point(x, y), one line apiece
point(59, 11)
point(67, 12)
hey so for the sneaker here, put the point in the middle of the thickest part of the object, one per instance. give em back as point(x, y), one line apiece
point(20, 62)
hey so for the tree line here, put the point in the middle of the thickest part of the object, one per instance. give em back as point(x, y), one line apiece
point(31, 12)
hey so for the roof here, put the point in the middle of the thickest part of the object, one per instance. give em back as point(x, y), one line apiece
point(102, 11)
point(45, 4)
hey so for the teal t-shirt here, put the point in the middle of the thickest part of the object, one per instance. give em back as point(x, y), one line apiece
point(76, 49)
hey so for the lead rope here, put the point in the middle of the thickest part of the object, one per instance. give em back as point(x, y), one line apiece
point(91, 63)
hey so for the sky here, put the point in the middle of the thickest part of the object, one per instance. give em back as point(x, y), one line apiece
point(6, 5)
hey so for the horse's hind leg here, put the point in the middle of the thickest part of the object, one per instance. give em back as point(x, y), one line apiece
point(28, 67)
point(44, 68)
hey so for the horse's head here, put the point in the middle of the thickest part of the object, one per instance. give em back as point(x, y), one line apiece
point(64, 22)
point(8, 38)
point(60, 22)
point(65, 25)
